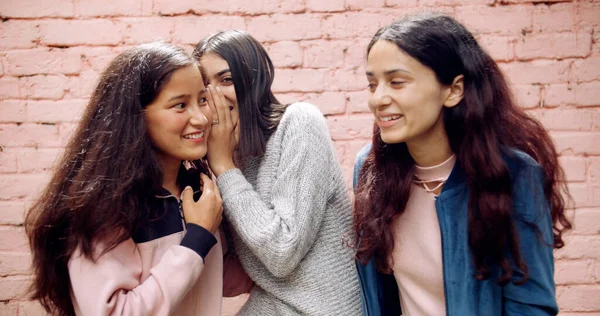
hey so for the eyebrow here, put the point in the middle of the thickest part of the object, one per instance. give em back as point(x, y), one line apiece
point(224, 71)
point(389, 72)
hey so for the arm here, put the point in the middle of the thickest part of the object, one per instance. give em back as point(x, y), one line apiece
point(537, 295)
point(282, 231)
point(111, 285)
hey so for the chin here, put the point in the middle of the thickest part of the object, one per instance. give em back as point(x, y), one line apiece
point(392, 139)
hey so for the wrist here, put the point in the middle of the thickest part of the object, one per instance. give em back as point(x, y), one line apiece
point(222, 168)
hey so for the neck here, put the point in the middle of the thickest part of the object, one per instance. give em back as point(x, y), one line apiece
point(170, 171)
point(432, 151)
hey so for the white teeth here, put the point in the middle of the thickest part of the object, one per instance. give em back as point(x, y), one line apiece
point(194, 136)
point(390, 118)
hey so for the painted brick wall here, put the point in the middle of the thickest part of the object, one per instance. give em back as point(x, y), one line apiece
point(52, 51)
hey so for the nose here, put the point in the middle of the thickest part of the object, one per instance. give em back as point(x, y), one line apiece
point(197, 117)
point(380, 97)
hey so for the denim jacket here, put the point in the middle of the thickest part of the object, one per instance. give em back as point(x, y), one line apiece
point(464, 294)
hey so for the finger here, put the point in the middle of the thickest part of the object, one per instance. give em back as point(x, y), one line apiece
point(187, 197)
point(223, 107)
point(208, 184)
point(211, 103)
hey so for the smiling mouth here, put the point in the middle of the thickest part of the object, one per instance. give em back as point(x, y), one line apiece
point(194, 136)
point(390, 118)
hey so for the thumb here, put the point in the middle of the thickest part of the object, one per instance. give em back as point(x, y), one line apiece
point(187, 197)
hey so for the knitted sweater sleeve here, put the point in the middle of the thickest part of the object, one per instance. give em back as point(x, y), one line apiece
point(281, 230)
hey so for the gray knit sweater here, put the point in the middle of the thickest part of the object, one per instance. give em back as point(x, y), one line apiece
point(290, 214)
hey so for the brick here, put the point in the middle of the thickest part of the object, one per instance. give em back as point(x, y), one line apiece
point(97, 58)
point(14, 287)
point(587, 222)
point(350, 128)
point(564, 119)
point(351, 148)
point(14, 263)
point(484, 19)
point(12, 111)
point(191, 29)
point(325, 6)
point(500, 48)
point(328, 102)
point(583, 94)
point(573, 271)
point(289, 98)
point(18, 186)
point(596, 121)
point(579, 193)
point(69, 110)
point(8, 163)
point(594, 169)
point(43, 61)
point(436, 3)
point(82, 86)
point(324, 54)
point(574, 168)
point(527, 96)
point(9, 88)
point(28, 135)
point(587, 94)
point(353, 24)
point(103, 8)
point(577, 142)
point(9, 308)
point(401, 3)
point(356, 54)
point(78, 32)
point(580, 247)
point(299, 80)
point(44, 87)
point(31, 308)
point(65, 132)
point(12, 213)
point(358, 101)
point(578, 297)
point(595, 195)
point(347, 80)
point(553, 45)
point(536, 72)
point(588, 14)
point(357, 5)
point(559, 17)
point(143, 30)
point(587, 69)
point(13, 239)
point(37, 159)
point(172, 7)
point(36, 9)
point(15, 34)
point(241, 7)
point(276, 27)
point(285, 54)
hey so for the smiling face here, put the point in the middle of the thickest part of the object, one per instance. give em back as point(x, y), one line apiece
point(217, 72)
point(179, 118)
point(405, 96)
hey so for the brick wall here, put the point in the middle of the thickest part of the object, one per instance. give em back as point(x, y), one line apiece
point(52, 51)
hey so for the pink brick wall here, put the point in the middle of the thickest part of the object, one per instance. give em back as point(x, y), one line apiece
point(51, 52)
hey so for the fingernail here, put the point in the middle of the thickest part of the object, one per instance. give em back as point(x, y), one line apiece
point(187, 188)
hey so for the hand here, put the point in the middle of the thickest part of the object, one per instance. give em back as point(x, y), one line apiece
point(221, 139)
point(208, 211)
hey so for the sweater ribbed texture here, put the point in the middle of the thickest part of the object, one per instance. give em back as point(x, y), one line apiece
point(290, 214)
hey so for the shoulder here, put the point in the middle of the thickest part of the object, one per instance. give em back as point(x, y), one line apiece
point(302, 112)
point(361, 156)
point(520, 163)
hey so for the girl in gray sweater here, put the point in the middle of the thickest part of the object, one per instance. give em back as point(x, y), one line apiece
point(283, 192)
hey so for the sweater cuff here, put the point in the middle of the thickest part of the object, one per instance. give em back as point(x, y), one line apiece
point(199, 239)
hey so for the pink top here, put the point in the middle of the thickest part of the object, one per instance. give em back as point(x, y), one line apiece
point(417, 254)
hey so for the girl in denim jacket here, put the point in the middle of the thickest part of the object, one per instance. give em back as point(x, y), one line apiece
point(459, 198)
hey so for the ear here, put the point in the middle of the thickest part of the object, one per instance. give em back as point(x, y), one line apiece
point(455, 91)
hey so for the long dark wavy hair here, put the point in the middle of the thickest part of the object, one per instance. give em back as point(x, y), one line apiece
point(480, 129)
point(110, 169)
point(252, 72)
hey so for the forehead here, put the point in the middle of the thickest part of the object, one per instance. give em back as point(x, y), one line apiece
point(387, 54)
point(212, 63)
